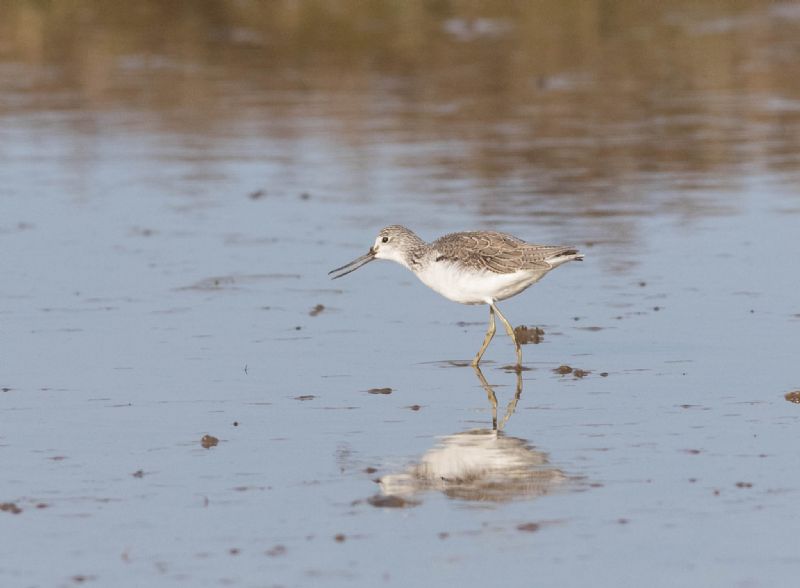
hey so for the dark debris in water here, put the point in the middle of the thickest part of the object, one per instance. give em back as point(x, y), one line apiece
point(391, 501)
point(21, 226)
point(527, 335)
point(529, 527)
point(340, 538)
point(257, 194)
point(236, 281)
point(276, 551)
point(564, 370)
point(516, 368)
point(143, 232)
point(138, 474)
point(305, 397)
point(793, 396)
point(209, 441)
point(455, 363)
point(414, 407)
point(379, 391)
point(744, 484)
point(316, 310)
point(10, 507)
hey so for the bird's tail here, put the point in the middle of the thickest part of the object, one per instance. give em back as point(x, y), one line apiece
point(564, 254)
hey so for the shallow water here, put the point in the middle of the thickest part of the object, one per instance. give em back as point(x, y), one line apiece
point(176, 183)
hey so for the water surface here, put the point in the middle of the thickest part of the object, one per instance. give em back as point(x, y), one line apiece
point(177, 180)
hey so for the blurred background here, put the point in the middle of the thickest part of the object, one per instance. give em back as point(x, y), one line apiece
point(496, 104)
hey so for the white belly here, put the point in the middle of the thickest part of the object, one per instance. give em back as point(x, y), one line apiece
point(452, 282)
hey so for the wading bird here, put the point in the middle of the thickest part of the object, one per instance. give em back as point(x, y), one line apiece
point(479, 267)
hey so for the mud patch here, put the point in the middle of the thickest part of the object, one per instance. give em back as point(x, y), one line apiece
point(448, 363)
point(516, 368)
point(565, 370)
point(209, 441)
point(276, 551)
point(379, 391)
point(381, 501)
point(793, 396)
point(10, 507)
point(527, 335)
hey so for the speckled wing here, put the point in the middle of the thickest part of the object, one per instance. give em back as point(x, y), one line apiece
point(495, 252)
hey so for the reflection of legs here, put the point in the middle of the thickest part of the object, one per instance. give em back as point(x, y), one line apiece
point(512, 406)
point(510, 331)
point(489, 335)
point(489, 394)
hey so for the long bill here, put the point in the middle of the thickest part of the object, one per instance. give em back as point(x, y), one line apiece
point(353, 265)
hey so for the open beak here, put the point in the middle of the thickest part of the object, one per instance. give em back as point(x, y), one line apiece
point(353, 265)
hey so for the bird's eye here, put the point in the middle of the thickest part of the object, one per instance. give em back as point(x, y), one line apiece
point(385, 240)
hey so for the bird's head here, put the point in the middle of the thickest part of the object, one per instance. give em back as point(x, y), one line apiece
point(393, 243)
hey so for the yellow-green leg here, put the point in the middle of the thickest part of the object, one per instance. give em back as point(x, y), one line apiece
point(510, 331)
point(489, 335)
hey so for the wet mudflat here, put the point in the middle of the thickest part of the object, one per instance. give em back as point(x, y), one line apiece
point(187, 399)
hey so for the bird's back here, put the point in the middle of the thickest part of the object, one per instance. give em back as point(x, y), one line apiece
point(500, 253)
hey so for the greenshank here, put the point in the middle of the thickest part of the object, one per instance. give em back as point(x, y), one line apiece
point(478, 267)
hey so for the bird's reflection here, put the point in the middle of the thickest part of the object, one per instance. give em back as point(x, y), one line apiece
point(480, 464)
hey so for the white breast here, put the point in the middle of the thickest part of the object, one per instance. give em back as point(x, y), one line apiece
point(455, 283)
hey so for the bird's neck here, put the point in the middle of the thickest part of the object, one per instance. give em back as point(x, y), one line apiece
point(416, 256)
